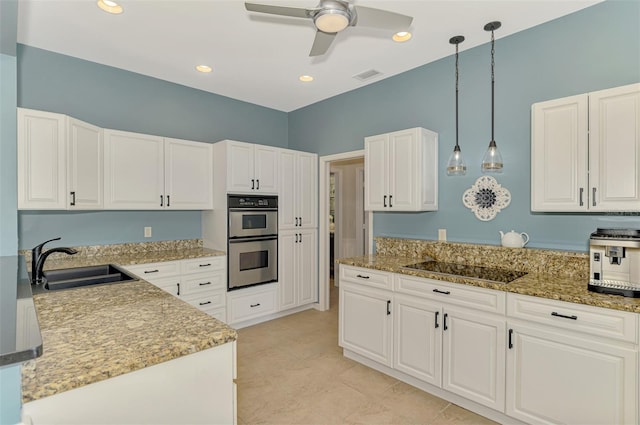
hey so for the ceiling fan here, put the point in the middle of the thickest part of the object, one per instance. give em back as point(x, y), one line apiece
point(332, 16)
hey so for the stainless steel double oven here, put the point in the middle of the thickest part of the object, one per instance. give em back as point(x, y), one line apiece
point(252, 240)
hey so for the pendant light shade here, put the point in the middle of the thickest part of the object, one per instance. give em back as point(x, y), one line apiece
point(492, 159)
point(456, 165)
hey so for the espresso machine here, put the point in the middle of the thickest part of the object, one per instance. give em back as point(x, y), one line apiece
point(615, 262)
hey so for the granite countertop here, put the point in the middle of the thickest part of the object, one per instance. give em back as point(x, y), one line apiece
point(552, 286)
point(94, 333)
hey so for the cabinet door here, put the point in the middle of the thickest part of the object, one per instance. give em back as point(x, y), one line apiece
point(307, 262)
point(473, 363)
point(287, 265)
point(287, 211)
point(134, 171)
point(84, 165)
point(404, 176)
point(559, 155)
point(240, 167)
point(614, 149)
point(417, 338)
point(556, 376)
point(307, 181)
point(41, 160)
point(366, 322)
point(188, 175)
point(266, 169)
point(376, 192)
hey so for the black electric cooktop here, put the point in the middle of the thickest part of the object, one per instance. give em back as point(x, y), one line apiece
point(474, 272)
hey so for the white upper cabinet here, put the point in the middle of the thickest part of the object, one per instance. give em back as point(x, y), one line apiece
point(298, 192)
point(401, 171)
point(59, 162)
point(134, 171)
point(150, 172)
point(585, 152)
point(250, 168)
point(188, 175)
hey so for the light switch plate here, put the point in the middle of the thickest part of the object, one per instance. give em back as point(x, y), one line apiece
point(442, 234)
point(147, 232)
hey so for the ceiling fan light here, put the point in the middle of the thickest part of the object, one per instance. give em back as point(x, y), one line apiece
point(401, 36)
point(331, 21)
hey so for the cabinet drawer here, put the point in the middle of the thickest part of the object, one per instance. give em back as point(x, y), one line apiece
point(251, 304)
point(453, 293)
point(583, 318)
point(203, 283)
point(203, 265)
point(369, 277)
point(154, 271)
point(207, 301)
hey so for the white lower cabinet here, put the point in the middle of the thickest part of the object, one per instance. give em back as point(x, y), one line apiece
point(559, 375)
point(366, 321)
point(507, 356)
point(298, 268)
point(251, 303)
point(202, 282)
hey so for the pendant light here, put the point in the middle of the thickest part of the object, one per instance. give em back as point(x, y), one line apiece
point(492, 160)
point(456, 165)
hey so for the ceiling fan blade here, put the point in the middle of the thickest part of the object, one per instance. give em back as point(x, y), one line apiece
point(370, 17)
point(296, 12)
point(321, 43)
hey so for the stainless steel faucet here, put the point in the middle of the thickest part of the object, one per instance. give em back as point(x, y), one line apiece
point(38, 259)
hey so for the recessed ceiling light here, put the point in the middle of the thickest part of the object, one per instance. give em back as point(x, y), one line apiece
point(204, 68)
point(401, 36)
point(306, 78)
point(110, 6)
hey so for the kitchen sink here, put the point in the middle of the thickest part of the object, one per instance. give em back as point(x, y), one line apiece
point(84, 276)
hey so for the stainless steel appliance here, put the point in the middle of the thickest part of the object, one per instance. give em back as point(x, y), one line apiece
point(252, 240)
point(615, 262)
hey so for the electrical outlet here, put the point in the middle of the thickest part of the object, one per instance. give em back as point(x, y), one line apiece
point(442, 234)
point(147, 232)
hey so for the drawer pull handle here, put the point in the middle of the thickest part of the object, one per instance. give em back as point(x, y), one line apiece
point(73, 198)
point(205, 303)
point(178, 289)
point(384, 201)
point(441, 292)
point(152, 271)
point(437, 325)
point(444, 322)
point(388, 307)
point(510, 341)
point(362, 277)
point(556, 314)
point(254, 305)
point(205, 265)
point(204, 283)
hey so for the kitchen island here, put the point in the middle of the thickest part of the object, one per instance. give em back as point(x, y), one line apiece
point(129, 353)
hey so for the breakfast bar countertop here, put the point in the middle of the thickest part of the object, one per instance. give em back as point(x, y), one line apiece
point(95, 333)
point(543, 285)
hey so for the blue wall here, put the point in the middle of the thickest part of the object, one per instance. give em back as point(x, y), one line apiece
point(593, 49)
point(112, 98)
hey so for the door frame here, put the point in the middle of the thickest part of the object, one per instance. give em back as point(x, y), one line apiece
point(324, 171)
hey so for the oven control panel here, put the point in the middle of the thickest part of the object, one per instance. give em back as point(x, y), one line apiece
point(252, 202)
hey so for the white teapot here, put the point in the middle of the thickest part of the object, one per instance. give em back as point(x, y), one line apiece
point(514, 239)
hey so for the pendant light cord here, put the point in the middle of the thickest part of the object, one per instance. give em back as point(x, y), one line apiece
point(492, 84)
point(457, 146)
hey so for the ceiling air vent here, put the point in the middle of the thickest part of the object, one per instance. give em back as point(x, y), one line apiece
point(367, 75)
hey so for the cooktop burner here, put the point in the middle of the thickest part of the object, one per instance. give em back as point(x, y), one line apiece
point(475, 272)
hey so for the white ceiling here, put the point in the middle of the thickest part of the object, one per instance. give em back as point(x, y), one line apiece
point(258, 58)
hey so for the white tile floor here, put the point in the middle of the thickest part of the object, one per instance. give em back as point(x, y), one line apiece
point(291, 371)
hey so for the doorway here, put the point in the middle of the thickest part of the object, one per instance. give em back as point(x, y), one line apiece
point(351, 224)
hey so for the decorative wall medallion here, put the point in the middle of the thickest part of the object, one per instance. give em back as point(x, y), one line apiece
point(486, 198)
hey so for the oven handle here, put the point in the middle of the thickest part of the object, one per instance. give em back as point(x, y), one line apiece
point(252, 209)
point(254, 239)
